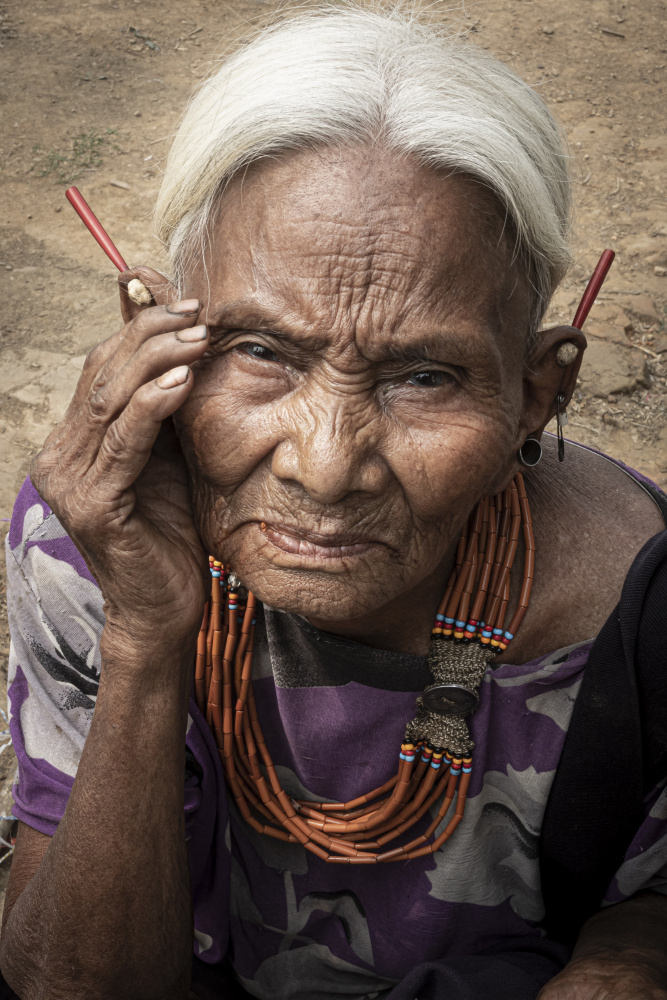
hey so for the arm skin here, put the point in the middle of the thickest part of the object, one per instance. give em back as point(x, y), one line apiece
point(103, 910)
point(621, 954)
point(106, 912)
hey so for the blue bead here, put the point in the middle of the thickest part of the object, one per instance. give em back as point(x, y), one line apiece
point(460, 624)
point(450, 621)
point(440, 618)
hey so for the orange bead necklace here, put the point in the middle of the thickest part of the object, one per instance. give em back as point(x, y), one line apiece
point(435, 760)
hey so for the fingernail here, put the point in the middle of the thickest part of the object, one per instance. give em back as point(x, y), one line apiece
point(177, 376)
point(183, 307)
point(192, 334)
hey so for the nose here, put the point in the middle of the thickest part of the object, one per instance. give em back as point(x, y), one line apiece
point(331, 448)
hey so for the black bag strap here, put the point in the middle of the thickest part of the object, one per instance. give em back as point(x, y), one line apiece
point(615, 750)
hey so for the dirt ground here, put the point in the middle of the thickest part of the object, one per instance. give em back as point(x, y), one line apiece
point(90, 93)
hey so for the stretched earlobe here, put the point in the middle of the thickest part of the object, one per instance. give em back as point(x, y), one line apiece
point(530, 452)
point(138, 293)
point(566, 354)
point(141, 287)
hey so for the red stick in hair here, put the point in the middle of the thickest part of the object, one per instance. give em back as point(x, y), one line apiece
point(593, 288)
point(93, 224)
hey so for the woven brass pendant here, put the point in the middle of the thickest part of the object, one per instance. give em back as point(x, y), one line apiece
point(458, 669)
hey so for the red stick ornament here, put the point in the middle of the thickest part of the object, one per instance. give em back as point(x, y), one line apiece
point(94, 226)
point(593, 288)
point(136, 290)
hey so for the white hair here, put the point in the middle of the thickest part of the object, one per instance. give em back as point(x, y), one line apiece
point(349, 75)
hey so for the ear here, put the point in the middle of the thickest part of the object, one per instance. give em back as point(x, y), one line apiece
point(546, 375)
point(161, 289)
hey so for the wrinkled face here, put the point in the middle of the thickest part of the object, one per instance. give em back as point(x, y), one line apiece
point(363, 387)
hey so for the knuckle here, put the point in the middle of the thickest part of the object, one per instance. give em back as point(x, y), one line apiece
point(143, 323)
point(51, 457)
point(95, 358)
point(55, 451)
point(114, 445)
point(143, 399)
point(98, 404)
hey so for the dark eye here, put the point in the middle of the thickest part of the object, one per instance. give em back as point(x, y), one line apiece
point(258, 351)
point(429, 380)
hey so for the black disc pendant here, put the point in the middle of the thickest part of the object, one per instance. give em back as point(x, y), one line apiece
point(450, 699)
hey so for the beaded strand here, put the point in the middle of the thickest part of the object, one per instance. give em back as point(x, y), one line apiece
point(473, 609)
point(496, 522)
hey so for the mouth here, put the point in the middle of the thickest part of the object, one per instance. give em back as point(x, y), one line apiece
point(315, 546)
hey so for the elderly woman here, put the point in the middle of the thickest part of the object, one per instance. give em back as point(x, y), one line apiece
point(336, 394)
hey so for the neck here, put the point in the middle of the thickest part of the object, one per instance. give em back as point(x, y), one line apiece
point(403, 625)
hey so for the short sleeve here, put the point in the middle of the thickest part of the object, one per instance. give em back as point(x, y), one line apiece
point(55, 621)
point(645, 864)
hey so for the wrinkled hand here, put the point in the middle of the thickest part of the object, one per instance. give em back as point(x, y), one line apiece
point(114, 475)
point(607, 977)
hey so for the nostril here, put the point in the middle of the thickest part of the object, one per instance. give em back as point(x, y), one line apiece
point(330, 459)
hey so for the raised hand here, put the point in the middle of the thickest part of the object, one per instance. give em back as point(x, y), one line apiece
point(113, 473)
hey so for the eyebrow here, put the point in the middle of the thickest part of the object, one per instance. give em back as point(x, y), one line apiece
point(250, 315)
point(253, 316)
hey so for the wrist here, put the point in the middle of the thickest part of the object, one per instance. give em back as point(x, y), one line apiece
point(149, 658)
point(165, 626)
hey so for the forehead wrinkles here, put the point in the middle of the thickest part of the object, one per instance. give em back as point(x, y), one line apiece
point(365, 251)
point(362, 278)
point(364, 288)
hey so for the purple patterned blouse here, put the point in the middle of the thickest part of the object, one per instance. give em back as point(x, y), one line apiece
point(333, 714)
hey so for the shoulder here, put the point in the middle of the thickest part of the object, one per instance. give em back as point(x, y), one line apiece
point(55, 610)
point(56, 616)
point(39, 548)
point(595, 499)
point(591, 519)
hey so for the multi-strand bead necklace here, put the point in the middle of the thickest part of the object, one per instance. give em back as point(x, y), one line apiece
point(435, 760)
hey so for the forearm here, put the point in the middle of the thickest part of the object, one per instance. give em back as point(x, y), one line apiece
point(620, 953)
point(633, 930)
point(108, 913)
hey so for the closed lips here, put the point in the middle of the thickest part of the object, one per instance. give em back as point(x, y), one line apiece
point(307, 543)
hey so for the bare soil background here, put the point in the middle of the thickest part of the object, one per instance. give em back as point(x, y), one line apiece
point(90, 93)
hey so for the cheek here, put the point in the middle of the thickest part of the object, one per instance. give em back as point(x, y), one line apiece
point(448, 463)
point(226, 434)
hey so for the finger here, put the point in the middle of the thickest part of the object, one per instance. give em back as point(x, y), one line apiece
point(153, 358)
point(149, 323)
point(72, 446)
point(110, 355)
point(129, 439)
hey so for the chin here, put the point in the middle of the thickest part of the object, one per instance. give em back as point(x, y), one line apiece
point(326, 588)
point(312, 595)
